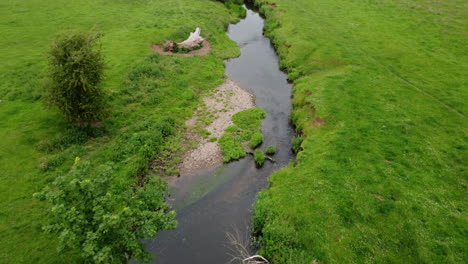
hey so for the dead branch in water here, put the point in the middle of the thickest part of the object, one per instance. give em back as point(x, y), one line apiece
point(255, 259)
point(239, 246)
point(266, 157)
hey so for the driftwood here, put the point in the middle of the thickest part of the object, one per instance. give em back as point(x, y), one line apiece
point(240, 248)
point(194, 40)
point(257, 259)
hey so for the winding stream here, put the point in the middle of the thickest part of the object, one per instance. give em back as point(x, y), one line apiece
point(213, 202)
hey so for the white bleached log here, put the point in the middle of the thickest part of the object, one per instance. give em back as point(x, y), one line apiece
point(256, 259)
point(194, 40)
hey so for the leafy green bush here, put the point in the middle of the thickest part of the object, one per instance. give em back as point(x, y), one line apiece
point(107, 225)
point(259, 157)
point(76, 68)
point(256, 140)
point(270, 150)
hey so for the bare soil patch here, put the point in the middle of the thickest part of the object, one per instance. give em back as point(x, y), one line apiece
point(318, 121)
point(203, 51)
point(219, 106)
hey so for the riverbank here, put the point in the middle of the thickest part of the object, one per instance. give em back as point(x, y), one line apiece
point(151, 95)
point(213, 203)
point(381, 180)
point(212, 119)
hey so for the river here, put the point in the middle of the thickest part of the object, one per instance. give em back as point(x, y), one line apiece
point(213, 202)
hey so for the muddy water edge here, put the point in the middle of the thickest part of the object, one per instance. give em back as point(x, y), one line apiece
point(213, 202)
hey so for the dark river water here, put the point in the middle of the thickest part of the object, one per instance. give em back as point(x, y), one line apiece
point(213, 202)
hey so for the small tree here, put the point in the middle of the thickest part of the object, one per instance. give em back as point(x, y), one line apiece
point(103, 223)
point(76, 68)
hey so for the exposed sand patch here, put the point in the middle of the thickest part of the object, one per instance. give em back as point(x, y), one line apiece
point(226, 100)
point(203, 51)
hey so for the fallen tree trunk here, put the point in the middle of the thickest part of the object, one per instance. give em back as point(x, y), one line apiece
point(194, 40)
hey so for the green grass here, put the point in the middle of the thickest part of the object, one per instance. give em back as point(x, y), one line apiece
point(37, 145)
point(247, 128)
point(383, 179)
point(256, 140)
point(270, 150)
point(259, 157)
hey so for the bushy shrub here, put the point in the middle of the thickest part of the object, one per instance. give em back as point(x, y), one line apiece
point(76, 68)
point(102, 224)
point(259, 157)
point(270, 150)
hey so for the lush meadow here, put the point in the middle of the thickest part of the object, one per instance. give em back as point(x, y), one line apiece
point(150, 96)
point(380, 109)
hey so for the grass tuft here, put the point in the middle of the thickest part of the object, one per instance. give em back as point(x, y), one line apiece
point(259, 157)
point(246, 128)
point(270, 150)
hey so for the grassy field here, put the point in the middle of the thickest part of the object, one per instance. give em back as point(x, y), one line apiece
point(36, 143)
point(379, 105)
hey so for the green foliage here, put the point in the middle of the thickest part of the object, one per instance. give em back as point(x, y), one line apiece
point(297, 143)
point(180, 50)
point(246, 128)
point(107, 225)
point(180, 33)
point(236, 8)
point(76, 68)
point(183, 50)
point(249, 119)
point(259, 157)
point(270, 150)
point(231, 144)
point(379, 181)
point(205, 133)
point(62, 141)
point(256, 140)
point(142, 88)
